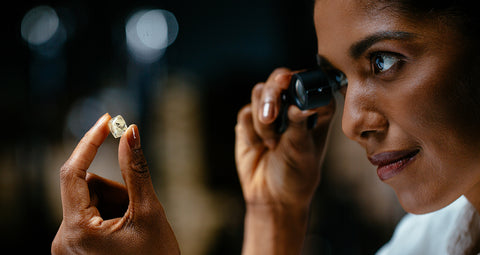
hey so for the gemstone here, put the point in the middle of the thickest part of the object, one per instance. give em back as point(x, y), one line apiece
point(117, 126)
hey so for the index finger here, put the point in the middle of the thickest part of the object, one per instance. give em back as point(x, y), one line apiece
point(269, 103)
point(74, 188)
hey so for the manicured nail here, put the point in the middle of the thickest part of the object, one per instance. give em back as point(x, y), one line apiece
point(267, 112)
point(134, 137)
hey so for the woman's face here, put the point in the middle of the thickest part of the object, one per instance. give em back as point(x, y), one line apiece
point(407, 99)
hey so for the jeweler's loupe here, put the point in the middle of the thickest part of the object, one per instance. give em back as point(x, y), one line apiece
point(308, 90)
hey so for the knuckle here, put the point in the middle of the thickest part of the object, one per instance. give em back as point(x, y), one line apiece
point(139, 163)
point(259, 85)
point(238, 128)
point(258, 88)
point(65, 172)
point(241, 128)
point(244, 113)
point(75, 221)
point(277, 71)
point(282, 69)
point(271, 94)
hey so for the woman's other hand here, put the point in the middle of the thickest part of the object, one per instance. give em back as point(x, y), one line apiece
point(278, 172)
point(279, 168)
point(101, 216)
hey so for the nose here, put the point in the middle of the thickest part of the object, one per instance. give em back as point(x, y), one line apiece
point(362, 119)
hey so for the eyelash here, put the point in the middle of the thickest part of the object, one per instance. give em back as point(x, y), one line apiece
point(376, 69)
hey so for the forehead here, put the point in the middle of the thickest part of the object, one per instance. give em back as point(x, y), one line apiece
point(339, 23)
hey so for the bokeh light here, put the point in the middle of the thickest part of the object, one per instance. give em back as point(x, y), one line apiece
point(149, 32)
point(66, 63)
point(44, 32)
point(39, 25)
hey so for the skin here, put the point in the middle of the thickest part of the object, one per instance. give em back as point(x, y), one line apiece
point(278, 174)
point(418, 102)
point(101, 216)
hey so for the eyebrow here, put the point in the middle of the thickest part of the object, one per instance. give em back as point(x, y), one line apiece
point(358, 48)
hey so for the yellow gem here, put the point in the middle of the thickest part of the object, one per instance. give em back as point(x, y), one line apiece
point(117, 126)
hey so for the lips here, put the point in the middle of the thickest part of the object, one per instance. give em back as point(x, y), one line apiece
point(392, 163)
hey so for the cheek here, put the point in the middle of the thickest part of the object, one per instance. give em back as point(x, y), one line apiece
point(430, 113)
point(433, 105)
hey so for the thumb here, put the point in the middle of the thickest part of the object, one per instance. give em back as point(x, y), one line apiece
point(134, 169)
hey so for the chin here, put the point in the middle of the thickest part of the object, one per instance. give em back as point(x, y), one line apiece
point(423, 202)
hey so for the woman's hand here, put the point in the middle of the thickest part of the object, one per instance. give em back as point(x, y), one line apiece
point(278, 172)
point(101, 216)
point(279, 168)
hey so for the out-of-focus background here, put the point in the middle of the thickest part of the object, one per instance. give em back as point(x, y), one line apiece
point(65, 63)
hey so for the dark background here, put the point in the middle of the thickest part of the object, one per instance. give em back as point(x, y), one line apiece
point(228, 46)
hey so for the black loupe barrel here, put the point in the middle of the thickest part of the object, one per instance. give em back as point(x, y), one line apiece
point(310, 89)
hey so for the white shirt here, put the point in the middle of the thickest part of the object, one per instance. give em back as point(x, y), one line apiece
point(454, 229)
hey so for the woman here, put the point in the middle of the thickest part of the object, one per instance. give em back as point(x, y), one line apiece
point(411, 102)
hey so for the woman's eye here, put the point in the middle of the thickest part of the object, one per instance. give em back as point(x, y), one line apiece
point(383, 62)
point(341, 79)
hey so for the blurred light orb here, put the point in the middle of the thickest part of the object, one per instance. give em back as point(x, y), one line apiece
point(39, 25)
point(152, 30)
point(149, 33)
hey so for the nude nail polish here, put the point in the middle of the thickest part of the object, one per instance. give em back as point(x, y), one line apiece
point(134, 137)
point(268, 109)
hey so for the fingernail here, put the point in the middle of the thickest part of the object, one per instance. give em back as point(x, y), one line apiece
point(267, 112)
point(134, 137)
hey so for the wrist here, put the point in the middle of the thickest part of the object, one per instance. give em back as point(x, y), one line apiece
point(278, 212)
point(275, 229)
